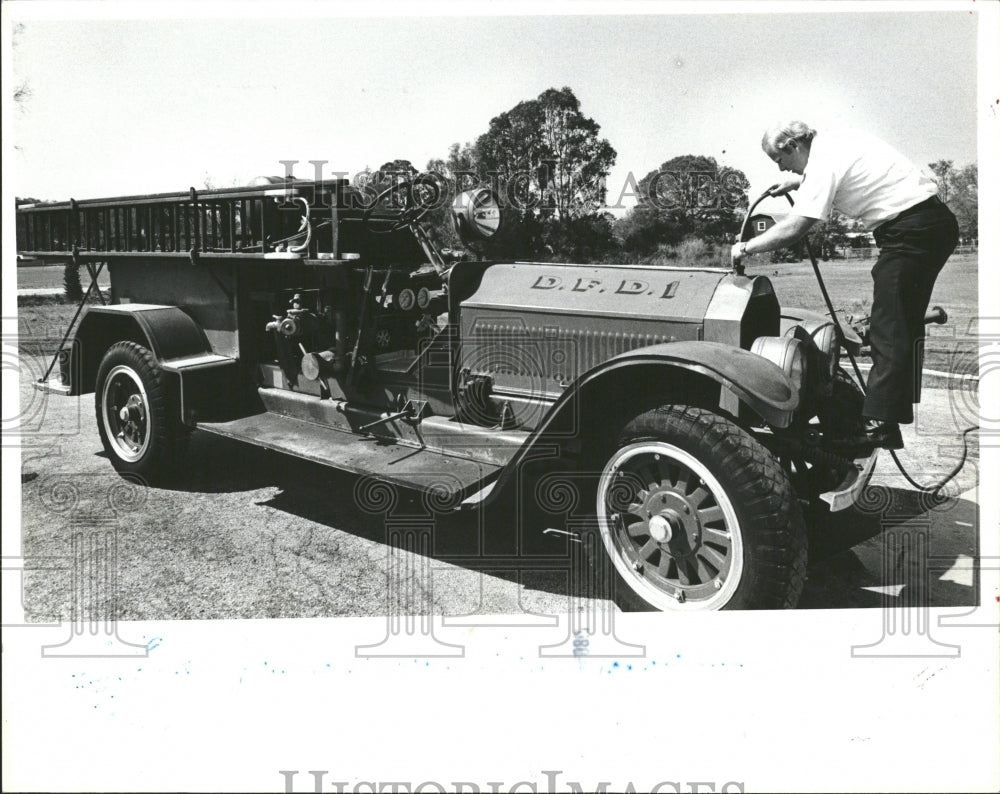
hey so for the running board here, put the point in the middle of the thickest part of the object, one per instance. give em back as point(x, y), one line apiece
point(451, 478)
point(196, 362)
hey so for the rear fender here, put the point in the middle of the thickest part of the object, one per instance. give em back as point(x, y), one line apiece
point(166, 330)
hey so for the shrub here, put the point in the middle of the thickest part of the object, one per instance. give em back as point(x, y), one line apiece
point(693, 250)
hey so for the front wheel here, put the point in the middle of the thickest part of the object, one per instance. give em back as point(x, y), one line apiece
point(139, 426)
point(694, 514)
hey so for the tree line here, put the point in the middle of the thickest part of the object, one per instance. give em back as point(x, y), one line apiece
point(549, 165)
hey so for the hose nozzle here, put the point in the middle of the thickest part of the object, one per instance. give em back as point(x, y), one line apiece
point(936, 315)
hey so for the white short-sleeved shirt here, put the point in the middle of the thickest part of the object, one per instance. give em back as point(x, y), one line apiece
point(860, 176)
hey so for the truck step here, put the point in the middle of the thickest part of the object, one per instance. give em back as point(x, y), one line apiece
point(441, 434)
point(453, 478)
point(201, 361)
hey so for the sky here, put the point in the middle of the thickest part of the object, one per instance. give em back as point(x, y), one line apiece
point(151, 105)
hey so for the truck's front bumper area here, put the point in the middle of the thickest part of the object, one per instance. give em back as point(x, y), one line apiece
point(849, 489)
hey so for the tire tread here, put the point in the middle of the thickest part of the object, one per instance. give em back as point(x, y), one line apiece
point(170, 436)
point(770, 515)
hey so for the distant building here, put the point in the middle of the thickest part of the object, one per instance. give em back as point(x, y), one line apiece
point(860, 239)
point(760, 222)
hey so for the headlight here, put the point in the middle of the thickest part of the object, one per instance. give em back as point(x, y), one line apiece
point(825, 338)
point(787, 353)
point(820, 339)
point(476, 214)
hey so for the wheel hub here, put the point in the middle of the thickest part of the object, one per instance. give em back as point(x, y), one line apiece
point(671, 529)
point(661, 528)
point(132, 410)
point(672, 521)
point(124, 414)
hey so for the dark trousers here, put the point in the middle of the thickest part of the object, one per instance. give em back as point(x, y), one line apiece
point(913, 248)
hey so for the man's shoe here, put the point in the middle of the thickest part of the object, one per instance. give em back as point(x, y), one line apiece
point(883, 434)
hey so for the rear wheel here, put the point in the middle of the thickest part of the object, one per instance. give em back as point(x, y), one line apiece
point(694, 514)
point(139, 424)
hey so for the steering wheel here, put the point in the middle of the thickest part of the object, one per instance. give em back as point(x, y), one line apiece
point(430, 196)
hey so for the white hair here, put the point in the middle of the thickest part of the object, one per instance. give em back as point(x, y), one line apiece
point(778, 136)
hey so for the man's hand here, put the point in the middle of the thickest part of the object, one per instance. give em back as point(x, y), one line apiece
point(782, 188)
point(739, 251)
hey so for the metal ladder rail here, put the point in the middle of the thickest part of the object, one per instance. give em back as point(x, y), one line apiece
point(235, 221)
point(169, 225)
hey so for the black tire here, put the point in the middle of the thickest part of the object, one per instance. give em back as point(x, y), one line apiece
point(137, 417)
point(841, 415)
point(694, 514)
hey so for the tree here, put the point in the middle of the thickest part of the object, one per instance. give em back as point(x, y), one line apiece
point(824, 238)
point(546, 157)
point(644, 228)
point(390, 173)
point(548, 164)
point(690, 196)
point(585, 238)
point(460, 172)
point(963, 199)
point(959, 189)
point(397, 172)
point(460, 168)
point(942, 174)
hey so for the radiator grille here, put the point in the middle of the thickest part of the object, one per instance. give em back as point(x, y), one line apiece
point(553, 355)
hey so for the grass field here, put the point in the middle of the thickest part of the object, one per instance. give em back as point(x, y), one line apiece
point(45, 276)
point(950, 348)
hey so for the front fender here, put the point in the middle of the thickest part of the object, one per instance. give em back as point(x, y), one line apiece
point(754, 380)
point(749, 378)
